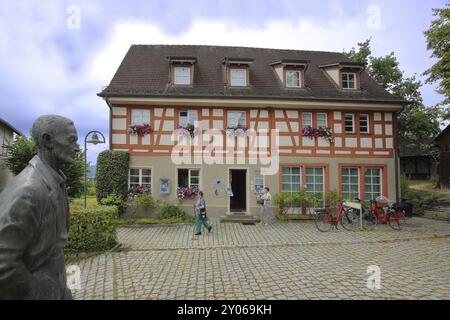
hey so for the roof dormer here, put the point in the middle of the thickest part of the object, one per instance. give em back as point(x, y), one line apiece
point(346, 75)
point(291, 72)
point(237, 72)
point(181, 70)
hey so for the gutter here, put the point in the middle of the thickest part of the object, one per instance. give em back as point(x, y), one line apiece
point(246, 97)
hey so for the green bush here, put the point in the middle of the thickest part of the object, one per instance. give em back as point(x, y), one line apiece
point(315, 200)
point(112, 200)
point(112, 174)
point(143, 200)
point(92, 230)
point(422, 200)
point(90, 188)
point(332, 199)
point(169, 210)
point(286, 200)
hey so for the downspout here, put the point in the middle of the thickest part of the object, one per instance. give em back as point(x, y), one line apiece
point(397, 158)
point(110, 121)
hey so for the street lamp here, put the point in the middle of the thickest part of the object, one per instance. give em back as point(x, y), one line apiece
point(94, 140)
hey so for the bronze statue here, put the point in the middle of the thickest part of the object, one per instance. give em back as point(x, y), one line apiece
point(34, 217)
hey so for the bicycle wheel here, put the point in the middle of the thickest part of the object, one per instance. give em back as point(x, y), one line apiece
point(350, 219)
point(396, 219)
point(323, 221)
point(369, 220)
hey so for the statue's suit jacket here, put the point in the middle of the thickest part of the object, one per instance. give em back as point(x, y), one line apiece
point(34, 222)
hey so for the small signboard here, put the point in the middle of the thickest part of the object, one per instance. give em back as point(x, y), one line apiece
point(164, 186)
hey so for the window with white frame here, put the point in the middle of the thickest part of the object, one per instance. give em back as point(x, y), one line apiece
point(372, 183)
point(364, 123)
point(236, 119)
point(187, 117)
point(315, 180)
point(291, 179)
point(293, 79)
point(140, 116)
point(348, 80)
point(350, 183)
point(258, 182)
point(238, 77)
point(321, 120)
point(188, 178)
point(349, 123)
point(306, 119)
point(140, 177)
point(182, 75)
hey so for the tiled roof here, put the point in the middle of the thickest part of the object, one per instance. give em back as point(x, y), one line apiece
point(144, 72)
point(9, 126)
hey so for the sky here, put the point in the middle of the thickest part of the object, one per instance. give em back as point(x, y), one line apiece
point(55, 56)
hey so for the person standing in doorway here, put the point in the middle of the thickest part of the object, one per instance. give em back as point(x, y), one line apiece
point(200, 216)
point(266, 197)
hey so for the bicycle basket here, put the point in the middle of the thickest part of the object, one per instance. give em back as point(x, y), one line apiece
point(382, 201)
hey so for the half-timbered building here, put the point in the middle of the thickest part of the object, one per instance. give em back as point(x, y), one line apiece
point(329, 125)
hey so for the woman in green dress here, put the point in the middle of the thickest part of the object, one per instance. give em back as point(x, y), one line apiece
point(200, 215)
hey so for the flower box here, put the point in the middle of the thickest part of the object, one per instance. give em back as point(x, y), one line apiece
point(326, 133)
point(188, 130)
point(237, 131)
point(139, 129)
point(187, 192)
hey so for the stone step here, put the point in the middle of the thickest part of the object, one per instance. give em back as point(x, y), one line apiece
point(240, 219)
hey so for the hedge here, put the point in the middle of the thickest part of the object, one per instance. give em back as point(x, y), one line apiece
point(92, 230)
point(112, 174)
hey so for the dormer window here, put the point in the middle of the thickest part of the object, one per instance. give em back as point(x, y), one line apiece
point(348, 80)
point(293, 78)
point(345, 75)
point(237, 72)
point(182, 76)
point(291, 72)
point(238, 77)
point(182, 70)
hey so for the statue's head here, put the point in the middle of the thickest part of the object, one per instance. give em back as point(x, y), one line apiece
point(56, 136)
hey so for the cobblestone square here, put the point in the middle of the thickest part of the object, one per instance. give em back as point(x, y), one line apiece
point(278, 261)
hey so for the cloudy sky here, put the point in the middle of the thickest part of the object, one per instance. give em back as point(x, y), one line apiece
point(55, 56)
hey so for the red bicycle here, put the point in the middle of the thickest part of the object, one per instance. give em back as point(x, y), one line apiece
point(392, 216)
point(348, 217)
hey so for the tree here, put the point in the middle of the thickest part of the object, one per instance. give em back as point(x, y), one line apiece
point(112, 174)
point(363, 53)
point(416, 123)
point(438, 41)
point(23, 149)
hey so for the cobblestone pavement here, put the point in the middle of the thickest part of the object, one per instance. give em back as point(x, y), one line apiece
point(279, 261)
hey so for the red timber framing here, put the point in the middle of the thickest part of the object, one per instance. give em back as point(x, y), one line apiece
point(297, 148)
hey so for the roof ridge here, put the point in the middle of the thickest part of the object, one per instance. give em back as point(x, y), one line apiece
point(234, 47)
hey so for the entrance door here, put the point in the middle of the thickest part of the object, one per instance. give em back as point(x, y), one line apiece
point(238, 182)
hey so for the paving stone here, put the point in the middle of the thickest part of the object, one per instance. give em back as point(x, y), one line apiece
point(280, 261)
